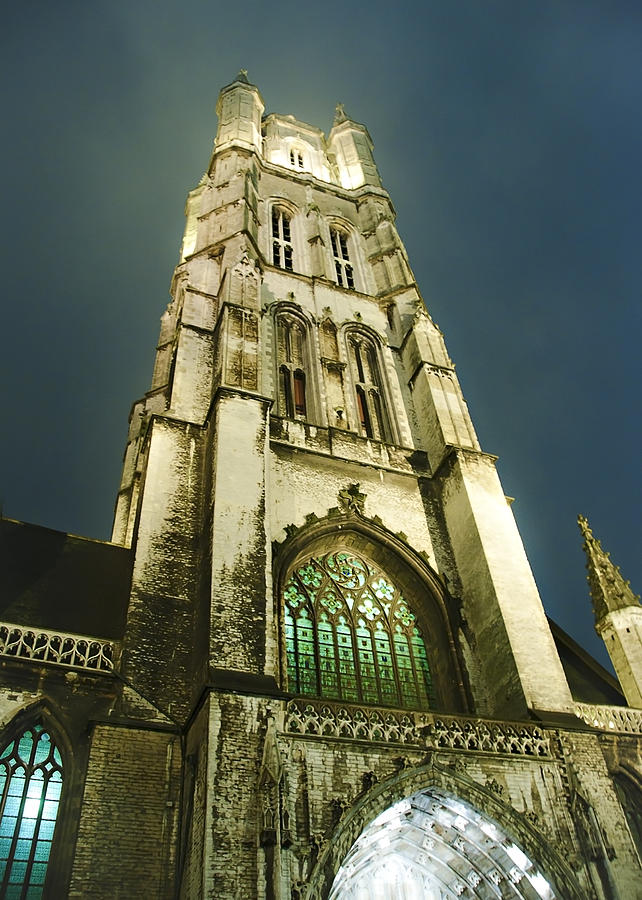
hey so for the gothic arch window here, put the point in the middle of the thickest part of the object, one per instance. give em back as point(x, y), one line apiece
point(291, 354)
point(31, 774)
point(366, 378)
point(297, 158)
point(351, 635)
point(282, 247)
point(342, 264)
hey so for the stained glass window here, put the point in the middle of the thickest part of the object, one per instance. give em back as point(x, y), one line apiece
point(30, 786)
point(350, 635)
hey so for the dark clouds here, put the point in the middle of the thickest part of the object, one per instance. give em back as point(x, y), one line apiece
point(509, 137)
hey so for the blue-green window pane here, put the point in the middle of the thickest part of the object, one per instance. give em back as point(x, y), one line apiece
point(18, 872)
point(46, 830)
point(31, 790)
point(22, 850)
point(34, 893)
point(50, 809)
point(43, 849)
point(43, 748)
point(8, 826)
point(54, 787)
point(16, 785)
point(38, 872)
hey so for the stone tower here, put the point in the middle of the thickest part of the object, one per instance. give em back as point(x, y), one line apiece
point(331, 674)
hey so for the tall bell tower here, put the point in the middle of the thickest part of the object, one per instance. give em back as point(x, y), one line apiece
point(329, 590)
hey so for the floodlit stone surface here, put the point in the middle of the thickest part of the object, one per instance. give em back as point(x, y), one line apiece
point(309, 523)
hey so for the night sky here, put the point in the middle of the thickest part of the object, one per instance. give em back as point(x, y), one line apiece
point(508, 134)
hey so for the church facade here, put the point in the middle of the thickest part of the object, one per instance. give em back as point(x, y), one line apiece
point(313, 661)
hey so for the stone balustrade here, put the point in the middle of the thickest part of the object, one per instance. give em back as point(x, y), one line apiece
point(57, 648)
point(610, 718)
point(328, 719)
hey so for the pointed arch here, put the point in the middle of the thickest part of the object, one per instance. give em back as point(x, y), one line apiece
point(283, 249)
point(371, 397)
point(35, 757)
point(439, 792)
point(295, 378)
point(398, 651)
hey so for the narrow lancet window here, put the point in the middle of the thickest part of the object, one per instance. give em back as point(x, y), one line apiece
point(350, 635)
point(282, 250)
point(30, 788)
point(367, 384)
point(291, 355)
point(342, 265)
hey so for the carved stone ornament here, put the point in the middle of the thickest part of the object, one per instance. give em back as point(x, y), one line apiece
point(351, 500)
point(493, 785)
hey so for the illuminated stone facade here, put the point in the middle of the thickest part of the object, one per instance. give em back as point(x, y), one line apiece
point(324, 669)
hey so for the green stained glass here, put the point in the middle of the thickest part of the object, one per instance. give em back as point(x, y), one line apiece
point(306, 659)
point(350, 635)
point(331, 601)
point(327, 660)
point(383, 590)
point(389, 692)
point(403, 613)
point(424, 678)
point(310, 575)
point(367, 670)
point(293, 595)
point(349, 689)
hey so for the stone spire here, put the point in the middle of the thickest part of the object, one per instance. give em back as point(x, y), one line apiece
point(609, 590)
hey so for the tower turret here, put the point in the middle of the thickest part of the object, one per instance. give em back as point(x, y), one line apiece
point(239, 110)
point(352, 146)
point(618, 615)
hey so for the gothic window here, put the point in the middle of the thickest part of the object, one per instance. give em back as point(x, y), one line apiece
point(342, 265)
point(367, 385)
point(350, 635)
point(30, 786)
point(291, 365)
point(281, 239)
point(296, 159)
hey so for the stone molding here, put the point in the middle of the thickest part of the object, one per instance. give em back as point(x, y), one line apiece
point(57, 648)
point(326, 719)
point(610, 718)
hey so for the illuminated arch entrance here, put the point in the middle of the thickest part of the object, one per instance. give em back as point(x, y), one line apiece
point(434, 846)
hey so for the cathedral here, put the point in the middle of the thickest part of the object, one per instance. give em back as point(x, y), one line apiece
point(312, 663)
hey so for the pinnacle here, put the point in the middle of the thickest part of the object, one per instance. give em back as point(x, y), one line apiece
point(242, 76)
point(340, 114)
point(608, 588)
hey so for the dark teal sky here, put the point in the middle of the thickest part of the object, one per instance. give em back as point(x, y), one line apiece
point(509, 137)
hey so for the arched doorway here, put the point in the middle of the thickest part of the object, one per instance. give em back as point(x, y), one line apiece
point(435, 846)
